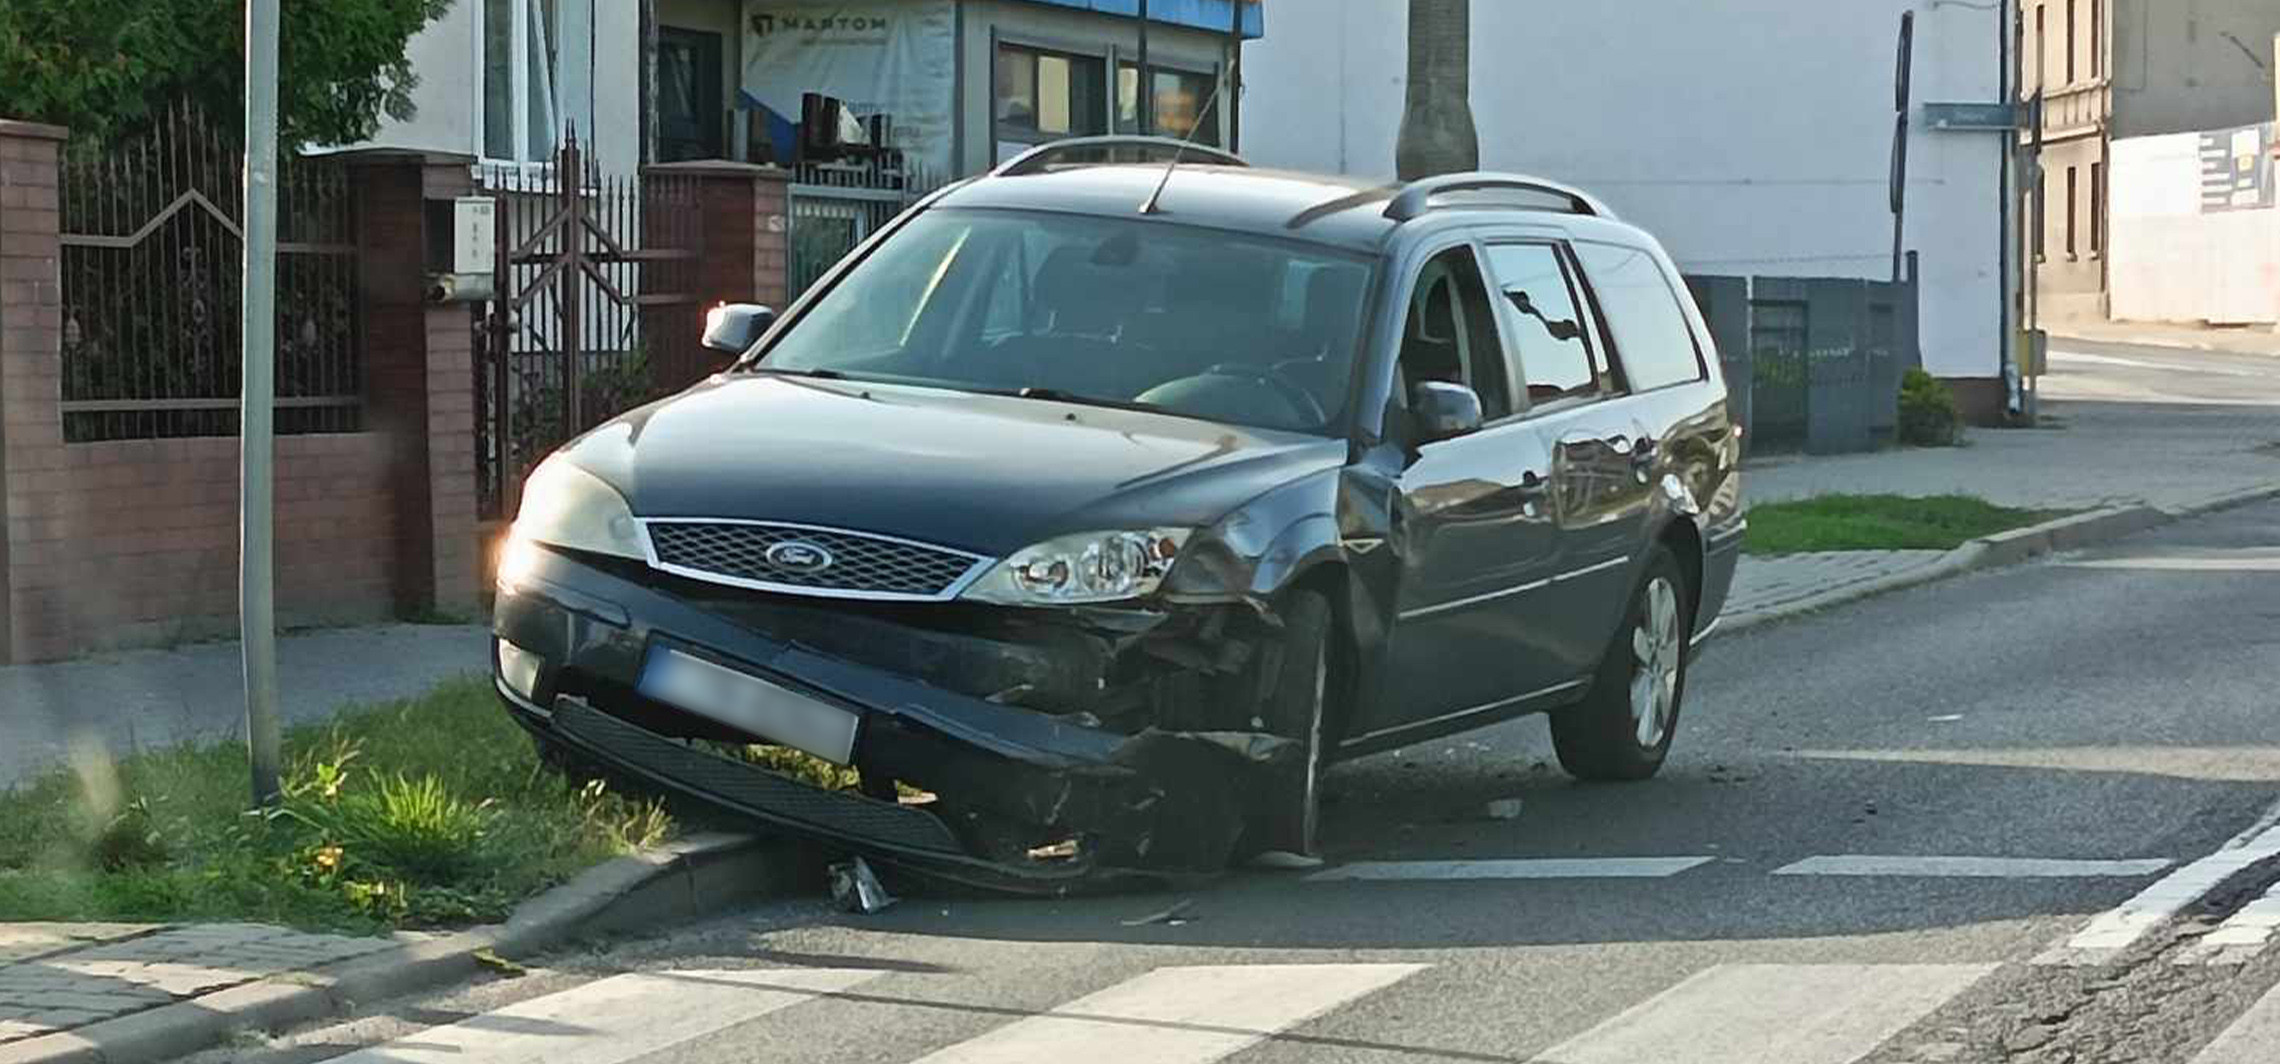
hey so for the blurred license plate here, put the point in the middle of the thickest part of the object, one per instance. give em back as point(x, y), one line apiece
point(749, 703)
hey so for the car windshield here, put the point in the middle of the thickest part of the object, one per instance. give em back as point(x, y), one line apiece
point(1194, 322)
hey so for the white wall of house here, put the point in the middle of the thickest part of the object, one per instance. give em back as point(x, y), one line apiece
point(2171, 262)
point(1752, 136)
point(595, 77)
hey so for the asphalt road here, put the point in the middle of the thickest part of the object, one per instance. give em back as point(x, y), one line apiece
point(2115, 708)
point(2086, 370)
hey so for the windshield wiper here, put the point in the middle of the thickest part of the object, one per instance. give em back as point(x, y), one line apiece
point(815, 374)
point(1056, 395)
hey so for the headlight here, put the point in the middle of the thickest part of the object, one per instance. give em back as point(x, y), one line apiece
point(565, 506)
point(1089, 567)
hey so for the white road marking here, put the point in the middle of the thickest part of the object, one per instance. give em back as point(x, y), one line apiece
point(2185, 560)
point(615, 1020)
point(2251, 1038)
point(2122, 927)
point(2191, 366)
point(1762, 1013)
point(2241, 937)
point(1968, 867)
point(1189, 1015)
point(1517, 868)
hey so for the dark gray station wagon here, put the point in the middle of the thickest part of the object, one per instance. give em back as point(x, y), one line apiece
point(1093, 506)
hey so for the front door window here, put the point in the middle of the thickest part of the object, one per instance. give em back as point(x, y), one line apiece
point(1451, 334)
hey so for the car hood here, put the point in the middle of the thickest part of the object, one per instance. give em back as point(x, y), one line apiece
point(987, 474)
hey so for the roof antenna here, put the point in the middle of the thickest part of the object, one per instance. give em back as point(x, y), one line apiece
point(1185, 143)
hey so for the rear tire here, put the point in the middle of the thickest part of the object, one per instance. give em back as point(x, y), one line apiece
point(1300, 708)
point(1622, 729)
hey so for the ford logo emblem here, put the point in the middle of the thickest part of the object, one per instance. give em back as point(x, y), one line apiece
point(798, 556)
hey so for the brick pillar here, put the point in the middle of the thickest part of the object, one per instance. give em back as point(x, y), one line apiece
point(31, 349)
point(743, 257)
point(419, 362)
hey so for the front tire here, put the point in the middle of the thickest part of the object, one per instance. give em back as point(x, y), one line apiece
point(1622, 730)
point(1300, 708)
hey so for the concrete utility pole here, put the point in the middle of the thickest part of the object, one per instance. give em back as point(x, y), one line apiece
point(1437, 132)
point(257, 599)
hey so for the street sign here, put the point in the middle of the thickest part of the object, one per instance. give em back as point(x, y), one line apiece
point(1971, 117)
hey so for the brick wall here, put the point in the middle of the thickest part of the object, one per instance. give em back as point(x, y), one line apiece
point(135, 542)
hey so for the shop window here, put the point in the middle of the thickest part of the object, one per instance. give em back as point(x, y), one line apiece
point(1046, 95)
point(1183, 99)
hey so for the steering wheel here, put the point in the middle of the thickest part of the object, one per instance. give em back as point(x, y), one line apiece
point(1291, 391)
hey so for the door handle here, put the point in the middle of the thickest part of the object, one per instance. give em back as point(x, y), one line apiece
point(1532, 485)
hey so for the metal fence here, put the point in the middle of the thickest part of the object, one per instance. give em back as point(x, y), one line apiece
point(152, 249)
point(1812, 364)
point(596, 312)
point(835, 207)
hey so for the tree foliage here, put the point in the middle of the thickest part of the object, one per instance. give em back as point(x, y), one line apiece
point(105, 67)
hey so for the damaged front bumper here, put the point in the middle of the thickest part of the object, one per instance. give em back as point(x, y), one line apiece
point(1061, 751)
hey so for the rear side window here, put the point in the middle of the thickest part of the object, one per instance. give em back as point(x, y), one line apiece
point(1652, 341)
point(1551, 337)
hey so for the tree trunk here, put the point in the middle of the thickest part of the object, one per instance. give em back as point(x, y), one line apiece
point(1437, 134)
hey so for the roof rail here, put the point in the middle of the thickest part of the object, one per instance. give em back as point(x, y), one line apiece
point(1416, 198)
point(1037, 159)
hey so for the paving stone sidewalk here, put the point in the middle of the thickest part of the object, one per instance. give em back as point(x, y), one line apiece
point(1766, 584)
point(57, 977)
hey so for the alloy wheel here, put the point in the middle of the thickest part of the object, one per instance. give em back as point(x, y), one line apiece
point(1656, 650)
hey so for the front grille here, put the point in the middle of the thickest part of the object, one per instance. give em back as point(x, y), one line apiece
point(860, 564)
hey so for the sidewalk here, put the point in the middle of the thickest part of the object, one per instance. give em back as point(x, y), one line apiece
point(2092, 455)
point(2245, 339)
point(140, 699)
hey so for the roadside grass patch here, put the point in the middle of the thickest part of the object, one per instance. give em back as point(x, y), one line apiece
point(1881, 522)
point(428, 812)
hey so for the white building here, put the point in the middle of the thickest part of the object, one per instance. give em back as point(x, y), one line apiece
point(1752, 136)
point(965, 83)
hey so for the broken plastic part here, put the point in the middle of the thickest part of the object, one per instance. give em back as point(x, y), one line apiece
point(857, 889)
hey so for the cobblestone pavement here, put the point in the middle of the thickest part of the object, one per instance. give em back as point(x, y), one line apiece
point(54, 977)
point(1762, 584)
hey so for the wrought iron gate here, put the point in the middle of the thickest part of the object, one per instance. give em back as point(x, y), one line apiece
point(596, 311)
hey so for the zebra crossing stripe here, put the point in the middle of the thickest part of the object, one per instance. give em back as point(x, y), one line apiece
point(1517, 868)
point(1969, 867)
point(1757, 1013)
point(1185, 1015)
point(615, 1020)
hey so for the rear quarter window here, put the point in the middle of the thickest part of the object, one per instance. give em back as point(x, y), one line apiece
point(1653, 342)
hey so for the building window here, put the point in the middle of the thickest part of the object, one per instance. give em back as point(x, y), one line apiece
point(2071, 173)
point(521, 119)
point(2042, 216)
point(2097, 208)
point(2042, 49)
point(2070, 5)
point(2097, 38)
point(1183, 100)
point(1043, 95)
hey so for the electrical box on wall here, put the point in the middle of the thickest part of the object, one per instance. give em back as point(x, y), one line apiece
point(462, 248)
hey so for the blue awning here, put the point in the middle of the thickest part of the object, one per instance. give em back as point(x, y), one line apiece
point(1212, 15)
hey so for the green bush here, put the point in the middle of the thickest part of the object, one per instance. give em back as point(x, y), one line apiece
point(1928, 416)
point(104, 67)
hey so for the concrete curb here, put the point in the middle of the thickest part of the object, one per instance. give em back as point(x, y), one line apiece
point(2007, 548)
point(685, 880)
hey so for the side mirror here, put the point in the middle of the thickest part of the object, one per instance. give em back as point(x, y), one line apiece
point(732, 328)
point(1444, 410)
